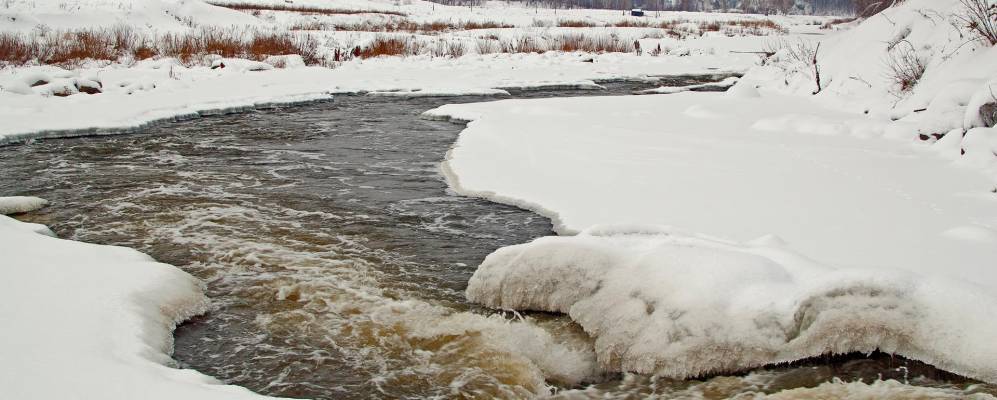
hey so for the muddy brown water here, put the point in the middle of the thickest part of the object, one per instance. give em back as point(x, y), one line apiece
point(336, 259)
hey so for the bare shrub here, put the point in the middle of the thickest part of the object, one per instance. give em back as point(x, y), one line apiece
point(180, 46)
point(144, 50)
point(981, 19)
point(487, 46)
point(80, 45)
point(15, 48)
point(310, 26)
point(906, 67)
point(525, 44)
point(401, 26)
point(568, 23)
point(448, 49)
point(799, 57)
point(597, 44)
point(387, 46)
point(709, 27)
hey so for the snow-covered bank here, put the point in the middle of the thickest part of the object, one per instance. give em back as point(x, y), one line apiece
point(734, 167)
point(152, 91)
point(659, 301)
point(93, 322)
point(902, 231)
point(46, 101)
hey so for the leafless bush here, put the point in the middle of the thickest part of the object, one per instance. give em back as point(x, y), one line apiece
point(387, 46)
point(981, 19)
point(15, 49)
point(799, 57)
point(488, 46)
point(906, 66)
point(448, 49)
point(567, 23)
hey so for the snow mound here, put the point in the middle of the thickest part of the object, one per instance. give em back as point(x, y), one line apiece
point(659, 301)
point(20, 204)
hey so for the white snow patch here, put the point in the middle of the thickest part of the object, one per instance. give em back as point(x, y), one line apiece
point(20, 204)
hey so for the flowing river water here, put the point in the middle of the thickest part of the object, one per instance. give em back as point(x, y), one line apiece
point(336, 260)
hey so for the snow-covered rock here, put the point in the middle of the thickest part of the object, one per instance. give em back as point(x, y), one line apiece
point(20, 204)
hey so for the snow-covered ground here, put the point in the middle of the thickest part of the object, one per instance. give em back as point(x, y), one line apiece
point(92, 322)
point(711, 231)
point(138, 93)
point(849, 222)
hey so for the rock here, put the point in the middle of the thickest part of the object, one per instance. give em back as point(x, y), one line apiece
point(89, 86)
point(988, 113)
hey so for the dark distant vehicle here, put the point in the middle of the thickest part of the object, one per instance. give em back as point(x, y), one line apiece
point(637, 12)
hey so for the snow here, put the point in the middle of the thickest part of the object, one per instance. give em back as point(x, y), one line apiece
point(860, 218)
point(135, 94)
point(158, 90)
point(20, 204)
point(91, 321)
point(660, 301)
point(841, 229)
point(726, 83)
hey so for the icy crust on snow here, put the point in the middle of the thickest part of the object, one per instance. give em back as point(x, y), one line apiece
point(20, 204)
point(94, 321)
point(660, 301)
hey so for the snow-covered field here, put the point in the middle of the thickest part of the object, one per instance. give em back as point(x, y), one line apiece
point(704, 232)
point(138, 93)
point(849, 222)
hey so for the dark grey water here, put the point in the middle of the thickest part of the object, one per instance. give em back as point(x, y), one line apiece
point(336, 259)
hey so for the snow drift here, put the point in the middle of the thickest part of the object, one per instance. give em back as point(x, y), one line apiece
point(659, 301)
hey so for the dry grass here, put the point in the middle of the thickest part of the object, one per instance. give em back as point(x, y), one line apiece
point(300, 9)
point(597, 44)
point(396, 46)
point(684, 27)
point(906, 67)
point(69, 48)
point(567, 23)
point(382, 46)
point(401, 26)
point(14, 49)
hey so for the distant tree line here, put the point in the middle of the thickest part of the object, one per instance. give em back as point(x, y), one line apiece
point(815, 7)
